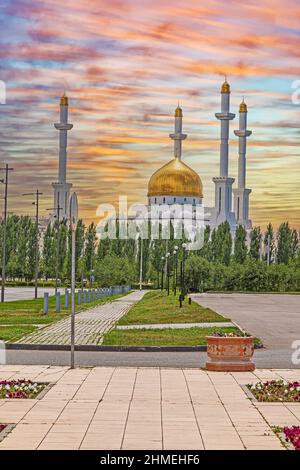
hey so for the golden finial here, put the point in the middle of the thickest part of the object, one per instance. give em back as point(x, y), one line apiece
point(64, 100)
point(178, 111)
point(243, 107)
point(225, 87)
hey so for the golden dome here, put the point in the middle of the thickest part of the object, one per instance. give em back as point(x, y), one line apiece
point(225, 87)
point(178, 111)
point(175, 179)
point(243, 107)
point(64, 100)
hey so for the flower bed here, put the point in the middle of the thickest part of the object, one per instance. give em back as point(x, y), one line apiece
point(20, 389)
point(292, 435)
point(276, 390)
point(231, 334)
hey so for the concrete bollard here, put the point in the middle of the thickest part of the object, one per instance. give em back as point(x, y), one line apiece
point(84, 296)
point(66, 298)
point(79, 297)
point(89, 295)
point(57, 302)
point(46, 303)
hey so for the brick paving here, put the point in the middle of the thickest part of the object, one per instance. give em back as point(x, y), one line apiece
point(90, 325)
point(144, 408)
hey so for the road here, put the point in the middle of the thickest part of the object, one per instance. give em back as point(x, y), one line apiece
point(266, 358)
point(274, 318)
point(27, 293)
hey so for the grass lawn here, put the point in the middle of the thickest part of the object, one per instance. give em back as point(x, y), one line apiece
point(167, 337)
point(158, 307)
point(11, 333)
point(20, 317)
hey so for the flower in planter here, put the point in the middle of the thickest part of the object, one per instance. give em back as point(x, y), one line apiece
point(292, 434)
point(232, 334)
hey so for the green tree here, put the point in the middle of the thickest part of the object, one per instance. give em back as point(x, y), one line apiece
point(255, 244)
point(269, 242)
point(240, 247)
point(284, 243)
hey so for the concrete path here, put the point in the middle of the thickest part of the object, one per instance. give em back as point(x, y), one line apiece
point(90, 325)
point(176, 326)
point(274, 318)
point(137, 408)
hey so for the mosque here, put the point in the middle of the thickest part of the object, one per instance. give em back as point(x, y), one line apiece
point(177, 183)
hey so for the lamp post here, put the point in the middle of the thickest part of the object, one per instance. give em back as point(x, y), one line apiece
point(141, 263)
point(162, 273)
point(5, 182)
point(184, 246)
point(37, 195)
point(168, 273)
point(175, 253)
point(73, 224)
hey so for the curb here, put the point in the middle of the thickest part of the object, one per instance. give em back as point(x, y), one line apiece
point(95, 348)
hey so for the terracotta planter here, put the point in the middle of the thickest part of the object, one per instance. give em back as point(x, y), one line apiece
point(230, 354)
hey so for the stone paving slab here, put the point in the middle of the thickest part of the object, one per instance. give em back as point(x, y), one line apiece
point(175, 326)
point(144, 408)
point(90, 325)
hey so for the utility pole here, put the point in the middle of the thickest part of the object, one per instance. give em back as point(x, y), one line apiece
point(36, 271)
point(5, 182)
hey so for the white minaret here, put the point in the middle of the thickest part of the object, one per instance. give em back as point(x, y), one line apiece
point(223, 183)
point(178, 136)
point(241, 194)
point(62, 188)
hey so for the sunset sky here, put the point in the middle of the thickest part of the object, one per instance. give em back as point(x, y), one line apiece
point(124, 65)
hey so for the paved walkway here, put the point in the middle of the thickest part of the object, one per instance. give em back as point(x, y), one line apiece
point(90, 325)
point(176, 326)
point(137, 408)
point(275, 318)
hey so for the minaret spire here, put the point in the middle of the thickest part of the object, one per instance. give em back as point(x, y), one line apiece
point(241, 194)
point(178, 136)
point(62, 188)
point(223, 183)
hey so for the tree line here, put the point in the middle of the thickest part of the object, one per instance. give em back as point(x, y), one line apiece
point(269, 260)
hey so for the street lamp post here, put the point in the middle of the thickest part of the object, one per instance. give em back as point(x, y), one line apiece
point(162, 273)
point(184, 245)
point(5, 182)
point(73, 224)
point(175, 253)
point(141, 263)
point(168, 273)
point(36, 273)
